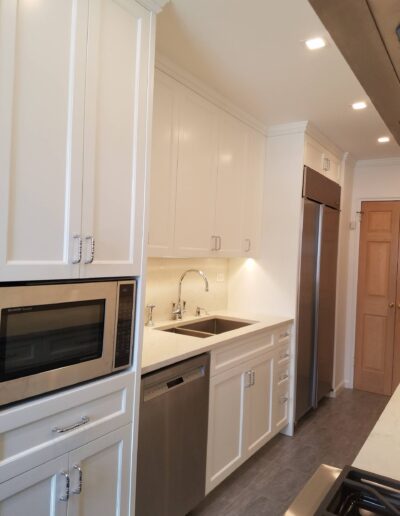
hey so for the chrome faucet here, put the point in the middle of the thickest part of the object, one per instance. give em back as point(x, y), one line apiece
point(178, 309)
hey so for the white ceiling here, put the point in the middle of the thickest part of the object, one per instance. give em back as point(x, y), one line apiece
point(251, 52)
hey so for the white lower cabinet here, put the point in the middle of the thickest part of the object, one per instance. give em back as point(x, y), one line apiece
point(89, 481)
point(240, 416)
point(249, 399)
point(37, 492)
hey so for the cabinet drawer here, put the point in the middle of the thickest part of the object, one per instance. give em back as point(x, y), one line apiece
point(281, 405)
point(283, 352)
point(37, 431)
point(282, 375)
point(234, 353)
point(282, 335)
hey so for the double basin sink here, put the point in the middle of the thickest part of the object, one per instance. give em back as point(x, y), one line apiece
point(207, 328)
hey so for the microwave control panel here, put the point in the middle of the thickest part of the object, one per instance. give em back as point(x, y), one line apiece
point(124, 336)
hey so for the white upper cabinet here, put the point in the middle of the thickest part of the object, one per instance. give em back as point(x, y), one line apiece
point(206, 178)
point(163, 167)
point(42, 85)
point(115, 136)
point(196, 175)
point(73, 126)
point(230, 181)
point(318, 157)
point(253, 193)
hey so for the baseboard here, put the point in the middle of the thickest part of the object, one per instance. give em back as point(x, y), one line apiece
point(337, 389)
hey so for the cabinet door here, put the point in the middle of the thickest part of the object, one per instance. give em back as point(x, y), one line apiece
point(115, 137)
point(196, 176)
point(42, 86)
point(163, 167)
point(100, 476)
point(313, 154)
point(258, 404)
point(37, 492)
point(253, 193)
point(230, 200)
point(225, 425)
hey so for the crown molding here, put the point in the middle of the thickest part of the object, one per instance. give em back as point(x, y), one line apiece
point(285, 129)
point(153, 5)
point(170, 68)
point(381, 162)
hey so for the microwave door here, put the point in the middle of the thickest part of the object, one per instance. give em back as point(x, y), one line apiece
point(52, 336)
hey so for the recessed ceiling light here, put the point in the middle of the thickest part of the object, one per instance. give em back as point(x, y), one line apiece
point(359, 105)
point(384, 139)
point(315, 43)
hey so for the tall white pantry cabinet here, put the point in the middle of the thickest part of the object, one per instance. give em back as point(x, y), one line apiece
point(74, 87)
point(75, 101)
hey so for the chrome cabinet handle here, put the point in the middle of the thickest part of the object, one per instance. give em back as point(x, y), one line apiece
point(60, 430)
point(78, 490)
point(248, 246)
point(92, 248)
point(253, 377)
point(214, 240)
point(284, 335)
point(78, 260)
point(219, 240)
point(249, 377)
point(65, 497)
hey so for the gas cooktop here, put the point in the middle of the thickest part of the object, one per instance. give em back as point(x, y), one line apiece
point(360, 493)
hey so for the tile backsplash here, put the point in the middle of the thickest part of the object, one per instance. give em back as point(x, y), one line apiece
point(163, 278)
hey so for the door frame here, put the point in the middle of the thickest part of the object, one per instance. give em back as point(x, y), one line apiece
point(352, 285)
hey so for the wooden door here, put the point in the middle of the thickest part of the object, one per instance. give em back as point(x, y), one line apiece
point(116, 131)
point(258, 404)
point(376, 312)
point(101, 485)
point(42, 87)
point(41, 491)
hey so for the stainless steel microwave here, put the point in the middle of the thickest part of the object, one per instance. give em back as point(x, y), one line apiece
point(59, 334)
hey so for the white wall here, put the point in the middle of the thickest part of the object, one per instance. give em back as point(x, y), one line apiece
point(162, 284)
point(373, 180)
point(269, 284)
point(343, 273)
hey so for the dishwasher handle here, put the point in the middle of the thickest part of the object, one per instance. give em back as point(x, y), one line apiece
point(175, 382)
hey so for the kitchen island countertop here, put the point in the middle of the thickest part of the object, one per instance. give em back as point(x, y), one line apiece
point(381, 451)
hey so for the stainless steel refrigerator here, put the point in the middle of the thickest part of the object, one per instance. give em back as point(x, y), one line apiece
point(317, 290)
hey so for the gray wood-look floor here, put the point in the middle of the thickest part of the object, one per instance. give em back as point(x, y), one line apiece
point(267, 483)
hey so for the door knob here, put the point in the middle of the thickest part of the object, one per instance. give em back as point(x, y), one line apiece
point(391, 305)
point(398, 304)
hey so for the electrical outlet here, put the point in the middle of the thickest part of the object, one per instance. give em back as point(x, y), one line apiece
point(220, 277)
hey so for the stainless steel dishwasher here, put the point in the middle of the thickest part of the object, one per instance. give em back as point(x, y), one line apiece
point(172, 449)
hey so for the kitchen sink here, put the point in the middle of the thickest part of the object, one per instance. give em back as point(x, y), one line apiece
point(208, 327)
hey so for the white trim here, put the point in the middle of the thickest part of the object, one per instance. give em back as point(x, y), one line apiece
point(337, 390)
point(383, 162)
point(309, 129)
point(284, 129)
point(166, 66)
point(153, 5)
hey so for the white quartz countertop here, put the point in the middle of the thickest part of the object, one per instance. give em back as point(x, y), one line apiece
point(381, 451)
point(161, 348)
